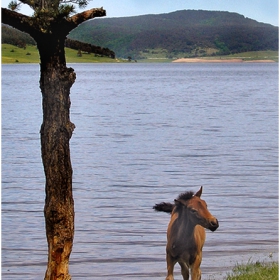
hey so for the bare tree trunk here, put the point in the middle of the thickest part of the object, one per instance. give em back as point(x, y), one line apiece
point(56, 131)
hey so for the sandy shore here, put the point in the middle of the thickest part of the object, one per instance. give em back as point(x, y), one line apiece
point(234, 60)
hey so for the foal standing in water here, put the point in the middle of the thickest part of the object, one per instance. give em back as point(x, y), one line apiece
point(186, 233)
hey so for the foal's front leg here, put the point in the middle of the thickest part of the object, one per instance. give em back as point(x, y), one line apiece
point(170, 266)
point(195, 270)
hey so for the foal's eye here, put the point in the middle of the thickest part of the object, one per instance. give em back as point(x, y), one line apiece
point(193, 211)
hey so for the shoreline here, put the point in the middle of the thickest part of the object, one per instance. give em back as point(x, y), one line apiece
point(233, 60)
point(180, 60)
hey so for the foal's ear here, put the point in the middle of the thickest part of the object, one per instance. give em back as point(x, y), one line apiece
point(199, 192)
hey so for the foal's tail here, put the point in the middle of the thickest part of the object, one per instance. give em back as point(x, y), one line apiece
point(164, 207)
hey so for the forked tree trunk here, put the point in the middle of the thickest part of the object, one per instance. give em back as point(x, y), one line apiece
point(56, 131)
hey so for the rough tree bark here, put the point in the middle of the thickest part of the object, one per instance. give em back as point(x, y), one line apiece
point(56, 130)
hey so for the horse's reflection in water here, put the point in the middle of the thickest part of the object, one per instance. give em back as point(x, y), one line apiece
point(186, 233)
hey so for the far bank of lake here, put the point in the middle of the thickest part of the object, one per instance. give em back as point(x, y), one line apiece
point(12, 54)
point(221, 60)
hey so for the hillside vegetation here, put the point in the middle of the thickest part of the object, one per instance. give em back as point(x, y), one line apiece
point(20, 39)
point(187, 33)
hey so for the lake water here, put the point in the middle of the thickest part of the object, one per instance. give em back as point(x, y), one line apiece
point(144, 134)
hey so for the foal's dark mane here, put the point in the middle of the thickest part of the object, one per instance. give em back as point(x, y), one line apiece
point(178, 207)
point(168, 207)
point(186, 195)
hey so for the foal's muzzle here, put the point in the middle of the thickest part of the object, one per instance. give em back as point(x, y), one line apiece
point(214, 225)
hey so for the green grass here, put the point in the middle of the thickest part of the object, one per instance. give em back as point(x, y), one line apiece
point(161, 55)
point(12, 54)
point(155, 60)
point(258, 55)
point(255, 271)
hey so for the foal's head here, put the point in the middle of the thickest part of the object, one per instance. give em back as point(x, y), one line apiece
point(197, 210)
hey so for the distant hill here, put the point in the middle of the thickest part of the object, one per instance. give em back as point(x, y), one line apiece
point(15, 37)
point(186, 33)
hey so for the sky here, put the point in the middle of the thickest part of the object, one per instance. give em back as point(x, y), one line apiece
point(266, 11)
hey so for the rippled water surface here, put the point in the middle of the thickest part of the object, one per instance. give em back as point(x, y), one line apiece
point(144, 134)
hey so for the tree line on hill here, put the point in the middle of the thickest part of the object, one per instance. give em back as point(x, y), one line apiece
point(188, 32)
point(20, 39)
point(15, 37)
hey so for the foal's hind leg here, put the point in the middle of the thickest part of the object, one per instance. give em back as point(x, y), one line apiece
point(170, 267)
point(184, 270)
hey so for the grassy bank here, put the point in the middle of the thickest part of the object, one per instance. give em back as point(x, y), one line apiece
point(255, 271)
point(12, 54)
point(160, 56)
point(259, 55)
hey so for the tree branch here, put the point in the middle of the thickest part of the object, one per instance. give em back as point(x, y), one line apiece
point(34, 26)
point(16, 20)
point(86, 15)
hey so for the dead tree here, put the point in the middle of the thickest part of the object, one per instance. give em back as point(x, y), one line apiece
point(49, 26)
